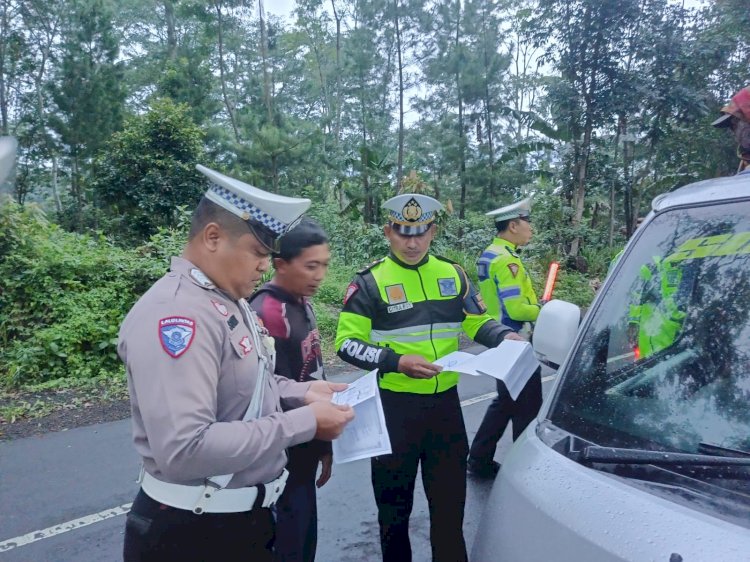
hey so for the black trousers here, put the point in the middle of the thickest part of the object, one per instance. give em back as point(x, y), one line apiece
point(500, 411)
point(296, 509)
point(158, 533)
point(427, 429)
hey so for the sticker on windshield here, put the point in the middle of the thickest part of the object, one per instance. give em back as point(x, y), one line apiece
point(710, 246)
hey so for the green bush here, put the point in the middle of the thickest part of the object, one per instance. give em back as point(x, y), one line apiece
point(63, 298)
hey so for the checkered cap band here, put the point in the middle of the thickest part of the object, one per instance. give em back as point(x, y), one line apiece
point(272, 223)
point(399, 218)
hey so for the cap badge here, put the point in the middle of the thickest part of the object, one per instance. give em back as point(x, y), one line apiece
point(412, 211)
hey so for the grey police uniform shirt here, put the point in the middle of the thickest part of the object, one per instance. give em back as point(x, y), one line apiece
point(192, 368)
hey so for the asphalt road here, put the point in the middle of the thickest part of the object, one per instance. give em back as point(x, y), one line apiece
point(64, 495)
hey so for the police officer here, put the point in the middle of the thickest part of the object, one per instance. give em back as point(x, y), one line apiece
point(400, 314)
point(656, 314)
point(506, 288)
point(206, 407)
point(736, 117)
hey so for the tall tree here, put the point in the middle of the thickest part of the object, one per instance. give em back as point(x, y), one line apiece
point(88, 89)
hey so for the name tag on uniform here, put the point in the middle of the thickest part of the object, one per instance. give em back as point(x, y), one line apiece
point(400, 307)
point(448, 287)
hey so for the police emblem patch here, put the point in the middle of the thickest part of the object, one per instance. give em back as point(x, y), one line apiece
point(448, 287)
point(350, 290)
point(220, 307)
point(176, 333)
point(513, 269)
point(395, 294)
point(246, 344)
point(232, 322)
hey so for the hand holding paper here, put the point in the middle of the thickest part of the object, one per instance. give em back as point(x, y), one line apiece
point(331, 419)
point(367, 435)
point(417, 367)
point(512, 362)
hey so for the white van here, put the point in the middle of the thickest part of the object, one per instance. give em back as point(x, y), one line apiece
point(642, 449)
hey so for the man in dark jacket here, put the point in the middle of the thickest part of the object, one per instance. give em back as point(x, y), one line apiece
point(284, 307)
point(736, 117)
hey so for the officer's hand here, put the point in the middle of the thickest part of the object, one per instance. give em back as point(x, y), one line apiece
point(323, 391)
point(326, 461)
point(514, 336)
point(331, 419)
point(417, 367)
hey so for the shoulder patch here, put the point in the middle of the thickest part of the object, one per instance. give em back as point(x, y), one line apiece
point(176, 333)
point(350, 290)
point(369, 267)
point(513, 267)
point(447, 287)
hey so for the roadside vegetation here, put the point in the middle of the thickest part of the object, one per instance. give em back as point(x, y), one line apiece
point(590, 107)
point(65, 294)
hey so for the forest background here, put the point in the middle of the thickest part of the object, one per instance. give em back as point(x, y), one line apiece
point(592, 107)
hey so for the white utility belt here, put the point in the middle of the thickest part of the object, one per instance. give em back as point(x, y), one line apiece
point(210, 498)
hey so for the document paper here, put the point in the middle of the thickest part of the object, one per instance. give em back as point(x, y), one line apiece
point(366, 435)
point(512, 362)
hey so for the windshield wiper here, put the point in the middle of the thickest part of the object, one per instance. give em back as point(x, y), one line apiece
point(616, 455)
point(711, 449)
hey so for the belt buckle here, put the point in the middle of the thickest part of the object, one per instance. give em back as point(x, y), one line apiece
point(273, 490)
point(207, 493)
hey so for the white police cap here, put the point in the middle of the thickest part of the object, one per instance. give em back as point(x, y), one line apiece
point(516, 210)
point(411, 214)
point(269, 216)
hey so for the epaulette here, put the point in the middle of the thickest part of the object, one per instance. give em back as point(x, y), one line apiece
point(441, 258)
point(370, 266)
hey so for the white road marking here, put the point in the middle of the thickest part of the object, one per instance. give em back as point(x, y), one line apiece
point(490, 395)
point(480, 398)
point(34, 536)
point(49, 532)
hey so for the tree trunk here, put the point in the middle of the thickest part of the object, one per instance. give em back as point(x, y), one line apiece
point(55, 190)
point(488, 110)
point(171, 36)
point(461, 134)
point(400, 164)
point(224, 94)
point(264, 59)
point(3, 85)
point(579, 195)
point(338, 71)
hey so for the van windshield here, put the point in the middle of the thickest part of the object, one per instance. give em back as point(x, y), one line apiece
point(665, 361)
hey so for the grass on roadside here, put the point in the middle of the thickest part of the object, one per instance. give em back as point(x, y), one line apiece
point(38, 400)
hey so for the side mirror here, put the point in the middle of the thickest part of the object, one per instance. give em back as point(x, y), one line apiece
point(555, 330)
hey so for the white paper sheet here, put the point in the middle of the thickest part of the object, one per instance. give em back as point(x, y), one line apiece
point(512, 362)
point(366, 435)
